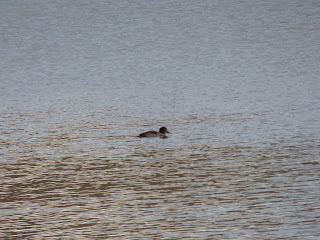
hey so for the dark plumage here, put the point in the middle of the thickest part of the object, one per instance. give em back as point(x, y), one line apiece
point(162, 133)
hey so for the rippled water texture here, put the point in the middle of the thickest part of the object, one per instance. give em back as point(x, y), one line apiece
point(235, 82)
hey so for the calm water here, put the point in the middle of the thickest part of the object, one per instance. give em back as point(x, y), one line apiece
point(235, 82)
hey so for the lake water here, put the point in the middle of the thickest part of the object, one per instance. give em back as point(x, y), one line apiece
point(235, 82)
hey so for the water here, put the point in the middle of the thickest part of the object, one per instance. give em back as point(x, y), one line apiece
point(236, 83)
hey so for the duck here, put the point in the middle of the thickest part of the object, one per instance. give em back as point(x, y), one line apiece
point(162, 133)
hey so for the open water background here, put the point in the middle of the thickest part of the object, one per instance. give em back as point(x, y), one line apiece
point(235, 82)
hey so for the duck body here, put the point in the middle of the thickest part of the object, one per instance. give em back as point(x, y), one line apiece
point(162, 133)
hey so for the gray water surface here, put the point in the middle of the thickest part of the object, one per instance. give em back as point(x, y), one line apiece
point(235, 82)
